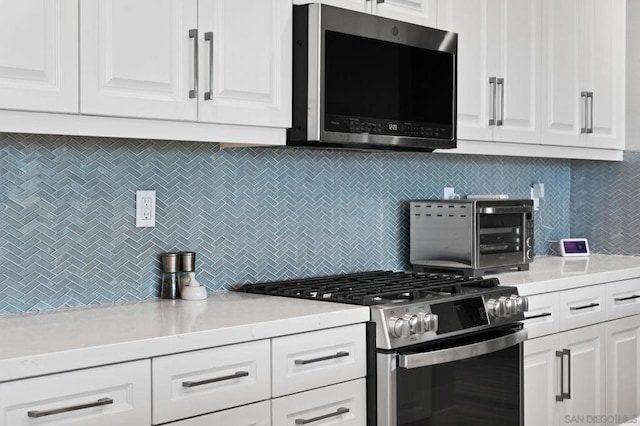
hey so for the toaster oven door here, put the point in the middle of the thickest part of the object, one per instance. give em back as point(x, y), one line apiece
point(503, 235)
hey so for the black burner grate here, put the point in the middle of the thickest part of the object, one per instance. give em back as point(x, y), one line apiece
point(370, 288)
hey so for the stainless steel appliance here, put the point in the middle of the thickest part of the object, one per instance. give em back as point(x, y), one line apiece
point(471, 237)
point(361, 81)
point(444, 350)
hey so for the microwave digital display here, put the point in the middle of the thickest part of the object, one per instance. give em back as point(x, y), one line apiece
point(381, 87)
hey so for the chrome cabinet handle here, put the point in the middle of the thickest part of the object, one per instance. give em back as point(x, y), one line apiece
point(500, 83)
point(237, 375)
point(567, 395)
point(194, 35)
point(324, 358)
point(209, 37)
point(590, 100)
point(560, 396)
point(622, 299)
point(583, 99)
point(492, 102)
point(98, 403)
point(338, 412)
point(590, 305)
point(542, 315)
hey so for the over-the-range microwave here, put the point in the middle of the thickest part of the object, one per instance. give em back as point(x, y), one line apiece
point(362, 81)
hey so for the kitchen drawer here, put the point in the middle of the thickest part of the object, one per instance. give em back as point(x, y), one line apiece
point(582, 306)
point(204, 381)
point(319, 358)
point(116, 394)
point(623, 299)
point(342, 404)
point(542, 318)
point(258, 414)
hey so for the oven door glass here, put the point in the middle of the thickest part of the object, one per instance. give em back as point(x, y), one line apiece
point(479, 390)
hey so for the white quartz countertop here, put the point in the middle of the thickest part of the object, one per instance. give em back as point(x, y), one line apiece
point(554, 273)
point(42, 343)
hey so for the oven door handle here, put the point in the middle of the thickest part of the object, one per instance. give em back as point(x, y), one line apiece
point(425, 359)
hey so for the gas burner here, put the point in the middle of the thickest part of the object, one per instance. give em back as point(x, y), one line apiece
point(372, 288)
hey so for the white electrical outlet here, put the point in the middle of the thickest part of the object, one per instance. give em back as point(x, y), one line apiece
point(145, 209)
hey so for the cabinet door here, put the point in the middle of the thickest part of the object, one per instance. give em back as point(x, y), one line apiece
point(420, 12)
point(477, 25)
point(587, 373)
point(245, 62)
point(519, 69)
point(258, 414)
point(563, 112)
point(604, 71)
point(137, 59)
point(342, 404)
point(623, 368)
point(39, 55)
point(541, 381)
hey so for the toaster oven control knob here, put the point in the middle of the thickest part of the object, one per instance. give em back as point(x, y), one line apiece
point(428, 322)
point(529, 254)
point(529, 242)
point(398, 327)
point(498, 308)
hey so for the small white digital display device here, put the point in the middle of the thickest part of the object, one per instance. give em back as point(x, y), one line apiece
point(574, 247)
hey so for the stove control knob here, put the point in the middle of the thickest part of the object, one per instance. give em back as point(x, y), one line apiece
point(428, 322)
point(399, 327)
point(511, 307)
point(498, 308)
point(521, 302)
point(414, 323)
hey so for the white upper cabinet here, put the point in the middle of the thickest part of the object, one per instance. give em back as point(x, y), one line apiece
point(419, 12)
point(498, 67)
point(137, 59)
point(585, 73)
point(39, 55)
point(245, 70)
point(215, 61)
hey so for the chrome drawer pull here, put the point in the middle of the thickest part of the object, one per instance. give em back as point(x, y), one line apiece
point(237, 375)
point(542, 315)
point(622, 299)
point(577, 308)
point(98, 403)
point(193, 93)
point(339, 411)
point(324, 358)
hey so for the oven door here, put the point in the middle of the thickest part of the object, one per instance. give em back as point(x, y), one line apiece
point(471, 381)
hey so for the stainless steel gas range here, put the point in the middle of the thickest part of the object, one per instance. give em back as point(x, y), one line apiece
point(444, 349)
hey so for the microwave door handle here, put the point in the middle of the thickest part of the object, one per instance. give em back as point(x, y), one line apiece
point(425, 359)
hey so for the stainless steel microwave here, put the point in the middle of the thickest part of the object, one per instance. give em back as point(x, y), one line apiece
point(361, 81)
point(471, 237)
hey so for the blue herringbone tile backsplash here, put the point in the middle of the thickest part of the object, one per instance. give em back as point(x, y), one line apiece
point(251, 214)
point(605, 204)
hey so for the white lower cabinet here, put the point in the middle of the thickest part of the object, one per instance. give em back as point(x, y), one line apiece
point(623, 365)
point(258, 414)
point(342, 404)
point(589, 372)
point(103, 396)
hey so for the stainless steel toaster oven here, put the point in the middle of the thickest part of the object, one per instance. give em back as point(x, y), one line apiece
point(471, 237)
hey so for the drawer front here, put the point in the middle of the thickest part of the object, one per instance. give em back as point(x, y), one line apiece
point(320, 358)
point(623, 299)
point(258, 414)
point(117, 394)
point(342, 404)
point(582, 306)
point(542, 318)
point(200, 382)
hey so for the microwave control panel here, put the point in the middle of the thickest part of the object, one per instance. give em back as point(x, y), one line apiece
point(346, 124)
